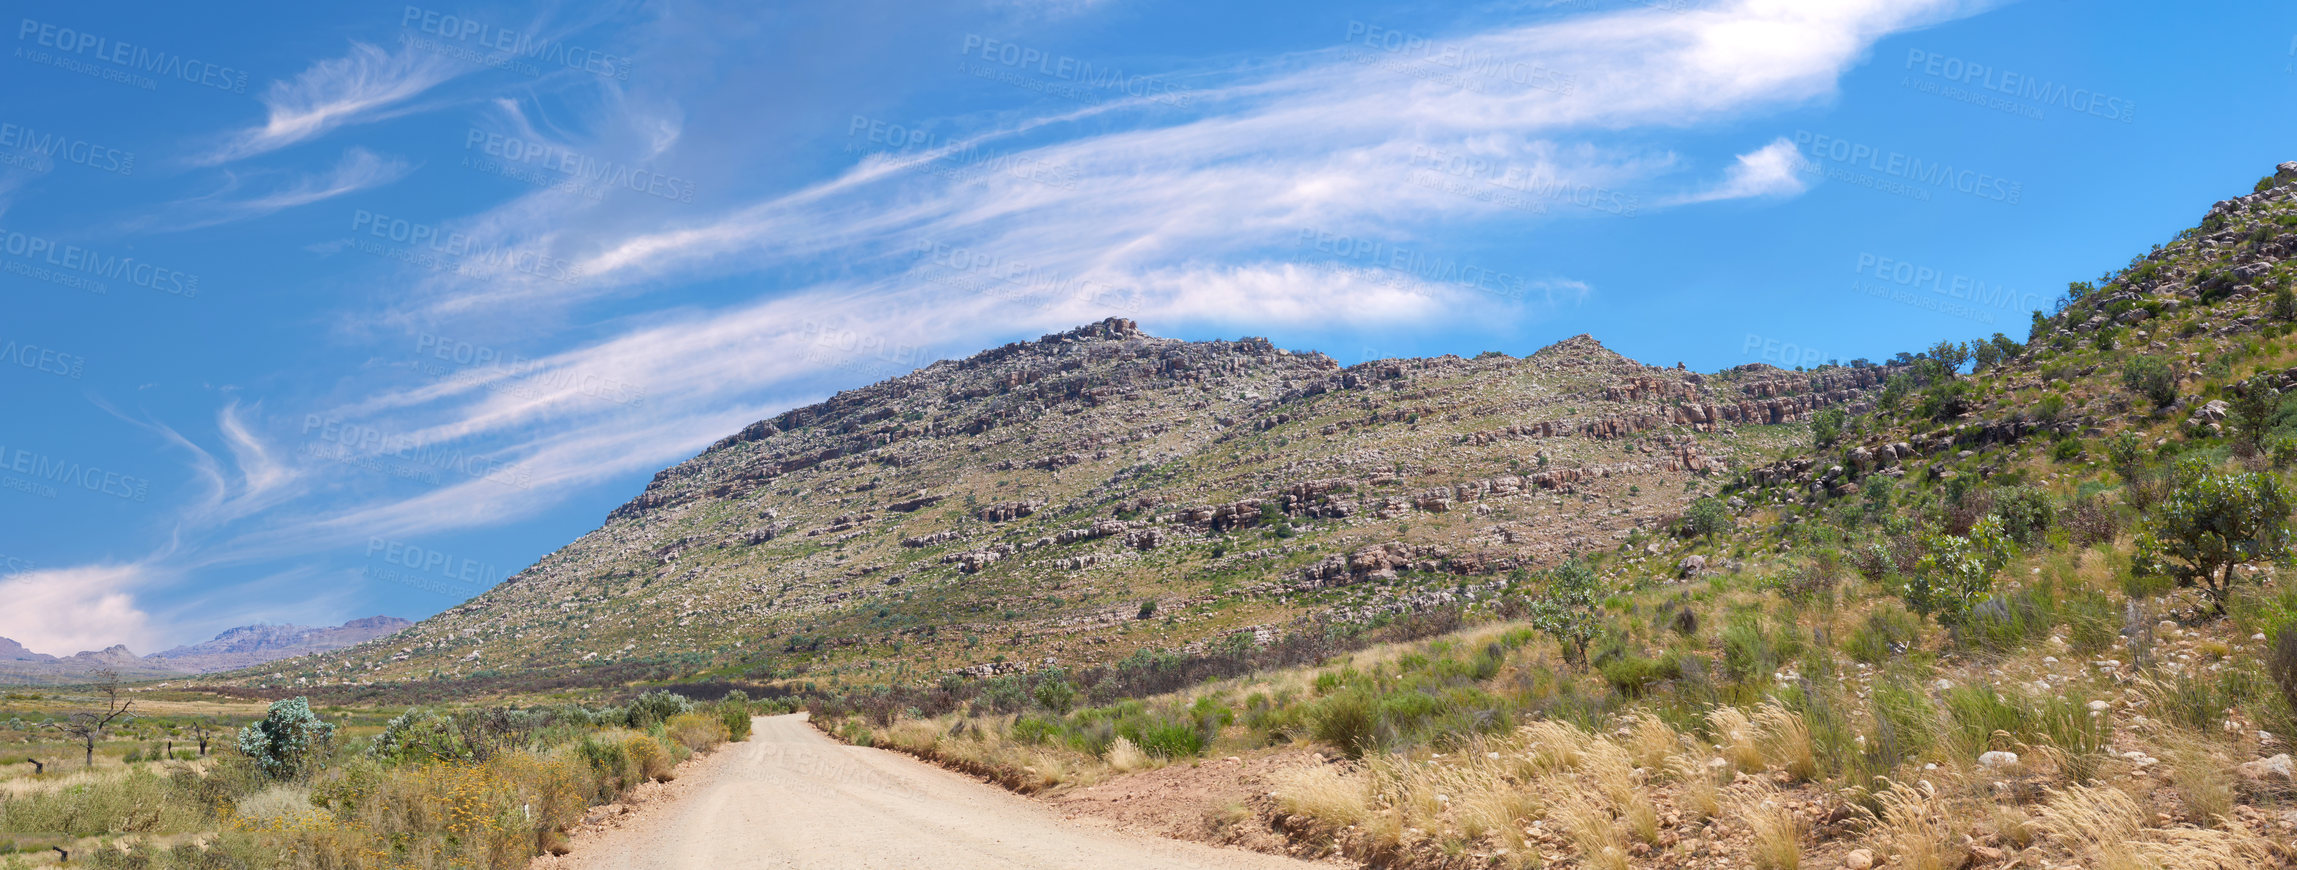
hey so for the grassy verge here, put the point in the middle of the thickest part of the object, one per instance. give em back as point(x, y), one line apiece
point(433, 788)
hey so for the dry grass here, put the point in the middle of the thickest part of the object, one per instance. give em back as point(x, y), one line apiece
point(1611, 773)
point(1124, 757)
point(2106, 827)
point(1699, 797)
point(1785, 741)
point(1588, 821)
point(1778, 834)
point(1324, 793)
point(1650, 740)
point(2203, 780)
point(1917, 826)
point(1737, 738)
point(1553, 747)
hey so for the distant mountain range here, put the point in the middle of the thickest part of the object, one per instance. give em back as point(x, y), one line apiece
point(245, 646)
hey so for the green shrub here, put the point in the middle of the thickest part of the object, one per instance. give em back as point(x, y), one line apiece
point(1566, 608)
point(735, 711)
point(656, 706)
point(2027, 513)
point(1974, 713)
point(2210, 524)
point(2079, 737)
point(1707, 518)
point(1345, 720)
point(288, 740)
point(1958, 571)
point(1905, 725)
point(1633, 674)
point(2150, 377)
point(1747, 652)
point(1887, 633)
point(2093, 624)
point(1168, 739)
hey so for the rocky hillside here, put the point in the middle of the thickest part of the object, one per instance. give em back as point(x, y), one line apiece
point(1100, 490)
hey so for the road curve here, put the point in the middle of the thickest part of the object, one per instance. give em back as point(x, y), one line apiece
point(792, 798)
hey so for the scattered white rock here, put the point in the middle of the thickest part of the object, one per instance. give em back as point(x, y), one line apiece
point(1858, 859)
point(2278, 767)
point(1998, 758)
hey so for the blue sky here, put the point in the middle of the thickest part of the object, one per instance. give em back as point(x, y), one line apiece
point(314, 312)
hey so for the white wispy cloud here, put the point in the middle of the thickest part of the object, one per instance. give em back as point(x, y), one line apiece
point(246, 195)
point(1772, 170)
point(367, 84)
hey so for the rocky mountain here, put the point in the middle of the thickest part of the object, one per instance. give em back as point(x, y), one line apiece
point(19, 666)
point(241, 647)
point(1100, 490)
point(250, 645)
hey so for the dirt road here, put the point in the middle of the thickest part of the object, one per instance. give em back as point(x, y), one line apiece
point(792, 798)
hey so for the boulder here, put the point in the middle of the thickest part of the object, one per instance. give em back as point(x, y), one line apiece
point(2275, 771)
point(1692, 566)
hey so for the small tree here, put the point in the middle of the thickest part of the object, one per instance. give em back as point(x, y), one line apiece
point(1707, 518)
point(1950, 355)
point(288, 739)
point(2007, 348)
point(1958, 571)
point(2284, 304)
point(2255, 403)
point(1986, 353)
point(87, 726)
point(2209, 525)
point(2150, 377)
point(1826, 427)
point(1566, 609)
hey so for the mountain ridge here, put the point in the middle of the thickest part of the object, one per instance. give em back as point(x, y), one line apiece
point(1046, 492)
point(237, 647)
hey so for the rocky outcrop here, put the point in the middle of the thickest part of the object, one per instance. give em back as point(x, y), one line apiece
point(1008, 511)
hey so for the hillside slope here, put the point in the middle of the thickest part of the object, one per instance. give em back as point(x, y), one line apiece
point(1074, 498)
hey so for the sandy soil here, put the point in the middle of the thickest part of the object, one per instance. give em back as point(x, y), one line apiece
point(792, 798)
